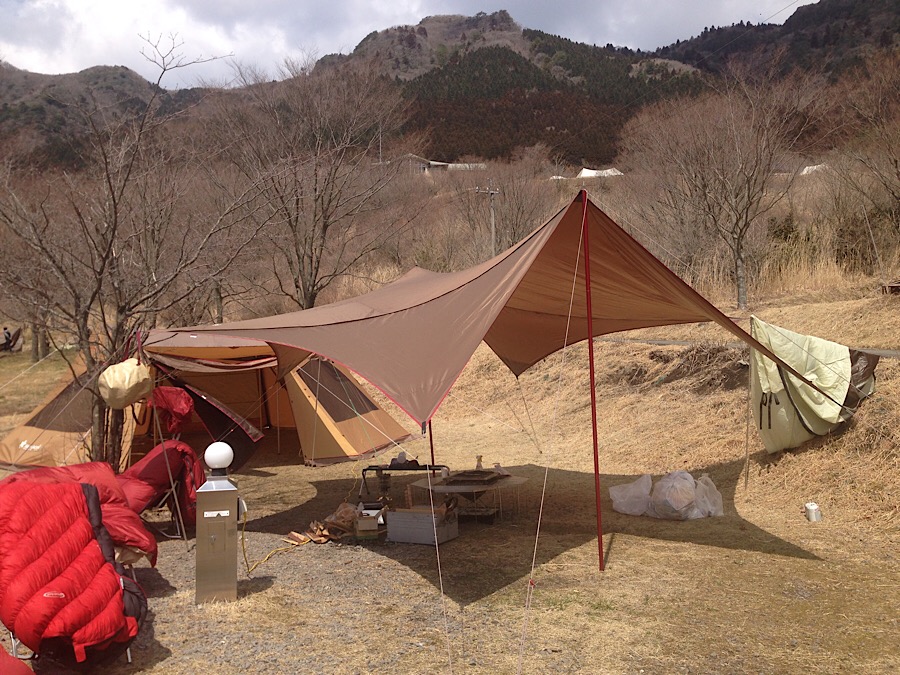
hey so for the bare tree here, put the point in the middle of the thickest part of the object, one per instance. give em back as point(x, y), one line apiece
point(865, 185)
point(529, 197)
point(317, 142)
point(723, 161)
point(519, 193)
point(106, 249)
point(873, 104)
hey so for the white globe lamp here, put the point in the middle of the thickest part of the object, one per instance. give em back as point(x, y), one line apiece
point(218, 457)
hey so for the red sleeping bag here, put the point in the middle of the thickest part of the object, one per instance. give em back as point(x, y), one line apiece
point(10, 665)
point(147, 481)
point(58, 586)
point(124, 525)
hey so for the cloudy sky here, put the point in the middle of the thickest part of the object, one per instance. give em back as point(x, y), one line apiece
point(62, 36)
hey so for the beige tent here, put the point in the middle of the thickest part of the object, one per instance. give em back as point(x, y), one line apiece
point(322, 402)
point(58, 431)
point(333, 417)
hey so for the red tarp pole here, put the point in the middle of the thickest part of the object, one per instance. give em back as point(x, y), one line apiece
point(590, 328)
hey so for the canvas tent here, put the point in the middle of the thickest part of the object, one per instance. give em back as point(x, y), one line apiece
point(58, 431)
point(322, 402)
point(598, 173)
point(789, 412)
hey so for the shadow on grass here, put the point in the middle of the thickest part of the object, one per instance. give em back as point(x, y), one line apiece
point(146, 652)
point(155, 585)
point(254, 585)
point(488, 557)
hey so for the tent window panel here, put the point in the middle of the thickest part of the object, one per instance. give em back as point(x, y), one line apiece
point(70, 411)
point(340, 397)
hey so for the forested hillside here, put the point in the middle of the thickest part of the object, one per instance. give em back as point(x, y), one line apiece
point(832, 35)
point(41, 116)
point(574, 98)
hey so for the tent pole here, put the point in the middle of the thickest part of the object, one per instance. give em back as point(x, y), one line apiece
point(590, 330)
point(172, 485)
point(278, 387)
point(431, 442)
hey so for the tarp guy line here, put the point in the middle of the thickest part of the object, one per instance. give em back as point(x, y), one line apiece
point(481, 411)
point(33, 365)
point(319, 385)
point(437, 554)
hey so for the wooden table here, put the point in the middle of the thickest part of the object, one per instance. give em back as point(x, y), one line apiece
point(473, 491)
point(388, 468)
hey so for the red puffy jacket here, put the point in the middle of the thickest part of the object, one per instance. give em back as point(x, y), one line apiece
point(55, 579)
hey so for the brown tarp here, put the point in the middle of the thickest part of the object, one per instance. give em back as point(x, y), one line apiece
point(413, 337)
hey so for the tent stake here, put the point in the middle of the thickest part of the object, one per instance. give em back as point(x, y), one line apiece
point(590, 330)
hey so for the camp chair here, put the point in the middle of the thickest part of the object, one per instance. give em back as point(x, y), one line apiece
point(14, 641)
point(167, 500)
point(168, 475)
point(13, 341)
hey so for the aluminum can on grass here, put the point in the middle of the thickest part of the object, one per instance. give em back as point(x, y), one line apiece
point(813, 514)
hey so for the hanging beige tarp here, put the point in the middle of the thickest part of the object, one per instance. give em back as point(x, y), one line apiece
point(789, 412)
point(413, 337)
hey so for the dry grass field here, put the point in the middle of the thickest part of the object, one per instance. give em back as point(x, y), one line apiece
point(23, 385)
point(760, 590)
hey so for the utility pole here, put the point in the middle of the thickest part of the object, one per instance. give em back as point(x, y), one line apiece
point(491, 190)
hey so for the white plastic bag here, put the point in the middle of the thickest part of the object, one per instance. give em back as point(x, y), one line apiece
point(125, 383)
point(673, 497)
point(707, 497)
point(632, 498)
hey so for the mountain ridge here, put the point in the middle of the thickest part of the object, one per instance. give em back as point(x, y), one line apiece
point(484, 86)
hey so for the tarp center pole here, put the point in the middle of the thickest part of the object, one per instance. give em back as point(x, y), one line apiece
point(590, 330)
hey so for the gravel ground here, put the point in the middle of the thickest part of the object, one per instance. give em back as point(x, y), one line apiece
point(317, 608)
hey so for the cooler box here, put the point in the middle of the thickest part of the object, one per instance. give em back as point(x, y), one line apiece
point(417, 526)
